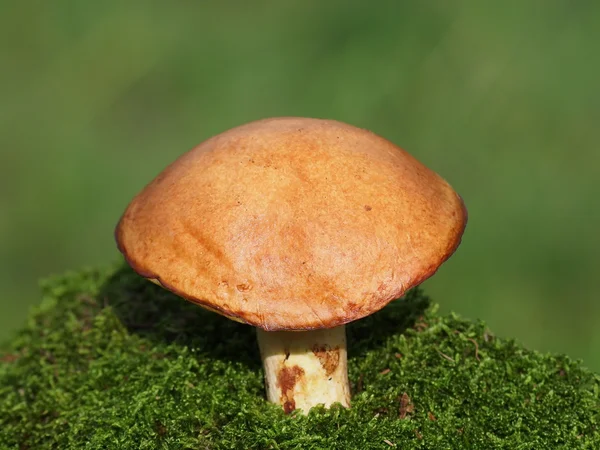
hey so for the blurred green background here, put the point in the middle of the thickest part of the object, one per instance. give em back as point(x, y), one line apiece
point(501, 98)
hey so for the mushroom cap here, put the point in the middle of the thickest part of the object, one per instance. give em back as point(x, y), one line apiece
point(292, 224)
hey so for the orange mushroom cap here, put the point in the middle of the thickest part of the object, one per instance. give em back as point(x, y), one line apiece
point(292, 224)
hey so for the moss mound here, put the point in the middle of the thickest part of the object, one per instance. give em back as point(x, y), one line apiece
point(110, 361)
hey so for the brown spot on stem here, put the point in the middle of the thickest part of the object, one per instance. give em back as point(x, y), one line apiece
point(328, 357)
point(287, 378)
point(289, 406)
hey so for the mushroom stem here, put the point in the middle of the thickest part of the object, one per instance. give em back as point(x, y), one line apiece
point(305, 368)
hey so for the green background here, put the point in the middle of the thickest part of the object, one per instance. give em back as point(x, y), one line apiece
point(501, 98)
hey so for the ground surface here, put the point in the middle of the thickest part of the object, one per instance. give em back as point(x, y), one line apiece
point(112, 361)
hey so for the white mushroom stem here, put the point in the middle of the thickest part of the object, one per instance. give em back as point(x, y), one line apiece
point(305, 368)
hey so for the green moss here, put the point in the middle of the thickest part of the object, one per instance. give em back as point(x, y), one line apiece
point(110, 361)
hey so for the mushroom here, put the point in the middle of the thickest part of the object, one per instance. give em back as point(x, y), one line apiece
point(295, 226)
